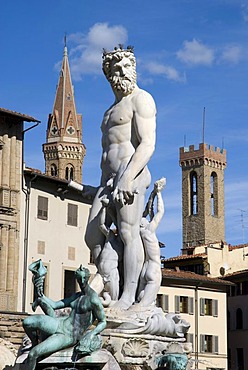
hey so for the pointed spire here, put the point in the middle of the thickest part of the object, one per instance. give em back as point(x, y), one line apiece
point(64, 150)
point(64, 120)
point(65, 46)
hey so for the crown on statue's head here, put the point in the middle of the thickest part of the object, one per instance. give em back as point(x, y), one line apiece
point(117, 49)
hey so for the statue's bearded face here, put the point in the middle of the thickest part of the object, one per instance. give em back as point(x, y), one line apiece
point(121, 73)
point(123, 76)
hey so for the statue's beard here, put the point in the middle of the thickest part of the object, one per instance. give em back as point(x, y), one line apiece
point(124, 84)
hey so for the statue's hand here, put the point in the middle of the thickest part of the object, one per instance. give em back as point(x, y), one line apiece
point(105, 202)
point(159, 185)
point(124, 192)
point(89, 343)
point(35, 304)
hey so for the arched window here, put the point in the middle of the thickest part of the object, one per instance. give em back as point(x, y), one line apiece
point(69, 172)
point(54, 171)
point(214, 194)
point(193, 193)
point(239, 319)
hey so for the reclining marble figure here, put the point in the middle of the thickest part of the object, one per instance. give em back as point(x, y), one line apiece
point(58, 333)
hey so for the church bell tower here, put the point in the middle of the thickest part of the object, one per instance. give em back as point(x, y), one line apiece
point(202, 194)
point(64, 151)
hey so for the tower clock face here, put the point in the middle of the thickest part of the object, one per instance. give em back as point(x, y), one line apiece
point(54, 130)
point(70, 130)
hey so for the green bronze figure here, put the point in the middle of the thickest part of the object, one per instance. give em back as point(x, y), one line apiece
point(58, 333)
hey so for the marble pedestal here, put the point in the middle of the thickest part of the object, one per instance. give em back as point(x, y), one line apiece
point(143, 352)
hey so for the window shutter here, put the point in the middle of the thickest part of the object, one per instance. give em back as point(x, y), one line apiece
point(72, 212)
point(202, 343)
point(42, 209)
point(215, 307)
point(177, 304)
point(191, 305)
point(215, 344)
point(202, 306)
point(166, 303)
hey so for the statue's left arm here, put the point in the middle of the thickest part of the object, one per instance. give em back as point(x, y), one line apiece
point(98, 312)
point(144, 136)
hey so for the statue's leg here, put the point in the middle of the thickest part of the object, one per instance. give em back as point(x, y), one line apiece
point(108, 267)
point(94, 238)
point(52, 344)
point(142, 282)
point(129, 217)
point(42, 323)
point(113, 285)
point(152, 273)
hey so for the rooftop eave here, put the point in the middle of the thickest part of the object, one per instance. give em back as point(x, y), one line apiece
point(23, 117)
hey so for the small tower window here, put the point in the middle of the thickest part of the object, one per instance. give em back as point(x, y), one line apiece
point(69, 172)
point(193, 193)
point(54, 171)
point(239, 319)
point(213, 193)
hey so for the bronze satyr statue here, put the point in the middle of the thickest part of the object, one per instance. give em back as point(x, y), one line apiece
point(57, 333)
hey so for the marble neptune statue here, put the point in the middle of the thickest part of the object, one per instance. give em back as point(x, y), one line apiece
point(128, 142)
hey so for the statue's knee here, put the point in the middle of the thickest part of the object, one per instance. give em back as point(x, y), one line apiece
point(27, 322)
point(33, 354)
point(90, 238)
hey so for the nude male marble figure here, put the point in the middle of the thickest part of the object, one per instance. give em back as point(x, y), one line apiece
point(128, 142)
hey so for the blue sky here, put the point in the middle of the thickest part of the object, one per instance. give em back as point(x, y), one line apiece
point(190, 54)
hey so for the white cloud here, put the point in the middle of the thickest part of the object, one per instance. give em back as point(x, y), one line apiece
point(244, 8)
point(194, 52)
point(85, 56)
point(231, 54)
point(169, 72)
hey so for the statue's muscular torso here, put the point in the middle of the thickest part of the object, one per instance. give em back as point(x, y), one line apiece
point(119, 134)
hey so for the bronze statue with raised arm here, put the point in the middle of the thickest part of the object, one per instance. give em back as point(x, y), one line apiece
point(58, 333)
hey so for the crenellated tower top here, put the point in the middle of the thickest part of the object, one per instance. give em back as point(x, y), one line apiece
point(207, 154)
point(203, 211)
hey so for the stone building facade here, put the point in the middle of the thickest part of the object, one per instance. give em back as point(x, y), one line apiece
point(11, 149)
point(201, 301)
point(53, 231)
point(202, 194)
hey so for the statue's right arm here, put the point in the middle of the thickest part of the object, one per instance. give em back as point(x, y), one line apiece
point(160, 212)
point(101, 222)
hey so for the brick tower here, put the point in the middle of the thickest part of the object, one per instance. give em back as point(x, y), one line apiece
point(202, 194)
point(64, 151)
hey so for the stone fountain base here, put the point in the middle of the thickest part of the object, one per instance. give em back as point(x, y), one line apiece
point(145, 352)
point(120, 352)
point(99, 360)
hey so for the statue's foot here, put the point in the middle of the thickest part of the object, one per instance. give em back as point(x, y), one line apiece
point(122, 304)
point(136, 307)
